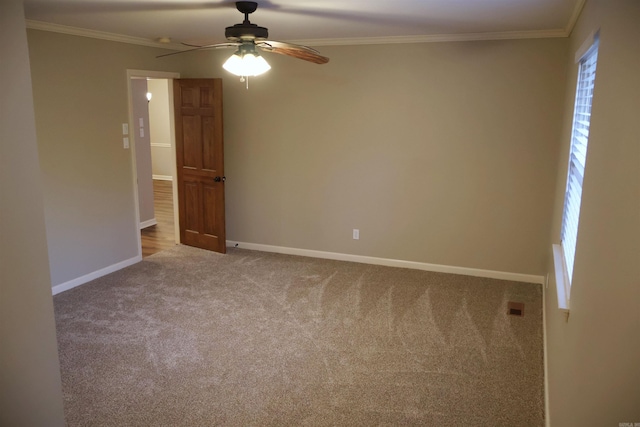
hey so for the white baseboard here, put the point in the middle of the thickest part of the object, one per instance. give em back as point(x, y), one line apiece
point(148, 223)
point(162, 177)
point(547, 420)
point(515, 277)
point(96, 274)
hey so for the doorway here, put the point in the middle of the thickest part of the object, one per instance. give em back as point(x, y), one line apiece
point(152, 135)
point(160, 235)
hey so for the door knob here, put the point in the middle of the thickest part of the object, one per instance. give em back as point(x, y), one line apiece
point(220, 179)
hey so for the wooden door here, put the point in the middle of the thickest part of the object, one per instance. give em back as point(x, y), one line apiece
point(200, 161)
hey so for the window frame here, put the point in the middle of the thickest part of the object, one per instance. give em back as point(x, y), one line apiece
point(564, 253)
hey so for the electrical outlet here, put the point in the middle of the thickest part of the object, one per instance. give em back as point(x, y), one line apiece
point(356, 234)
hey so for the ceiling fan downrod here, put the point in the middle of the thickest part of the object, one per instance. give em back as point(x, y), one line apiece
point(246, 7)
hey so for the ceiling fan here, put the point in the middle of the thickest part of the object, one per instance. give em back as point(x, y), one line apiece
point(247, 38)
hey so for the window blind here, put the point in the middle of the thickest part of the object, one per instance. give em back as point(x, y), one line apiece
point(578, 156)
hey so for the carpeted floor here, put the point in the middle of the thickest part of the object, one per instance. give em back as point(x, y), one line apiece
point(194, 338)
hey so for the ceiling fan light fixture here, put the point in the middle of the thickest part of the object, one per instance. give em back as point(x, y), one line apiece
point(246, 62)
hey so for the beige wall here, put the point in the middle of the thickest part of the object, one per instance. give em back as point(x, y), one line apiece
point(159, 117)
point(140, 133)
point(442, 153)
point(30, 389)
point(80, 96)
point(594, 357)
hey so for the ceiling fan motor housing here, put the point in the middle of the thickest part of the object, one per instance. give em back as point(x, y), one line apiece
point(246, 31)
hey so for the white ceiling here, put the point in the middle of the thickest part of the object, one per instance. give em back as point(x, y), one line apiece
point(314, 22)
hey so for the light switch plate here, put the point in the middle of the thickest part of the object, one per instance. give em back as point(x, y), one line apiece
point(125, 141)
point(125, 128)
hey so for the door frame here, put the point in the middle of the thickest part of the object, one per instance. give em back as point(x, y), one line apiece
point(168, 75)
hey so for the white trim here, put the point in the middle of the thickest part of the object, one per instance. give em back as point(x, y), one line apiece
point(435, 38)
point(164, 75)
point(162, 177)
point(573, 20)
point(351, 41)
point(95, 275)
point(134, 168)
point(148, 223)
point(547, 420)
point(586, 46)
point(102, 35)
point(160, 145)
point(516, 277)
point(174, 165)
point(562, 278)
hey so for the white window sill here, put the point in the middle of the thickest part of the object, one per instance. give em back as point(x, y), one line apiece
point(562, 278)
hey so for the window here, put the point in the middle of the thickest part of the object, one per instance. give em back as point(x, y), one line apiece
point(564, 255)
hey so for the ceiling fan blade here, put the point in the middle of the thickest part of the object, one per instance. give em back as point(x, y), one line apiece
point(294, 50)
point(209, 46)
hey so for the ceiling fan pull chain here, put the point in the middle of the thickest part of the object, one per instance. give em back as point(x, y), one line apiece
point(244, 79)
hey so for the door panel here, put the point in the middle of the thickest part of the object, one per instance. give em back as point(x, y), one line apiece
point(191, 203)
point(200, 157)
point(209, 198)
point(191, 141)
point(208, 146)
point(207, 97)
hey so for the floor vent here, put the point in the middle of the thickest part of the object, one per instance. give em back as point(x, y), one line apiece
point(515, 309)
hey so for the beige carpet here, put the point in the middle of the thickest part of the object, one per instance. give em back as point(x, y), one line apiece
point(193, 338)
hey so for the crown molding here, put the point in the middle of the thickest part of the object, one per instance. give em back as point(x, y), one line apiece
point(102, 35)
point(433, 38)
point(577, 10)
